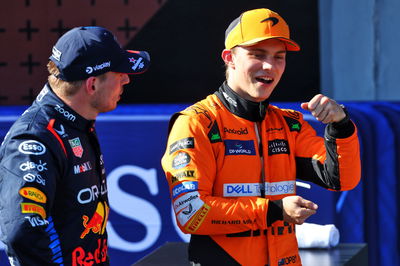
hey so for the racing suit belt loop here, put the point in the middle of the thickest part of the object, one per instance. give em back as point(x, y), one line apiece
point(248, 233)
point(287, 228)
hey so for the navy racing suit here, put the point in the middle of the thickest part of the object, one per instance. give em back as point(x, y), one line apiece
point(53, 192)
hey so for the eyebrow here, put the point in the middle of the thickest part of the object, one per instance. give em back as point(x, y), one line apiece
point(264, 51)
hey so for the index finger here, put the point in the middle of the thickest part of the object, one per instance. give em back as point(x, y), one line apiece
point(313, 103)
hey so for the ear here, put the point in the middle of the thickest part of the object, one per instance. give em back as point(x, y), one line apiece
point(227, 56)
point(90, 86)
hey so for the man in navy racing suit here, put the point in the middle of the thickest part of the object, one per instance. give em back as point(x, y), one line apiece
point(53, 193)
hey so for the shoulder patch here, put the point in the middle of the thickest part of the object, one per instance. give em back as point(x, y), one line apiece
point(214, 135)
point(294, 124)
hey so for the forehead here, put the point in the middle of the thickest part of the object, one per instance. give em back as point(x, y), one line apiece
point(269, 45)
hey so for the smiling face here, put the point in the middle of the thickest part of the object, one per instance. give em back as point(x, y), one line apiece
point(254, 71)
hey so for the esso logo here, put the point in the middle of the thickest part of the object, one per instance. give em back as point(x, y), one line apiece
point(32, 147)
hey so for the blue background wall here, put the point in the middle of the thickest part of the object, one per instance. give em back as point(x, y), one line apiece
point(133, 139)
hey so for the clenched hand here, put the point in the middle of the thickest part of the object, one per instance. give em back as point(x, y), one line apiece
point(324, 109)
point(297, 210)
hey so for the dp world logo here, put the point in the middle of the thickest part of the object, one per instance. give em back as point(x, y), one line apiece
point(89, 70)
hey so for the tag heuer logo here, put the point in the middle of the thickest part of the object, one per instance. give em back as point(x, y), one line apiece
point(76, 147)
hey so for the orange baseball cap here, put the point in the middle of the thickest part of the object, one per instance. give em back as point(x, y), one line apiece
point(257, 25)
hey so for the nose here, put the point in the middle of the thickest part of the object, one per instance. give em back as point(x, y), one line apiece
point(125, 79)
point(267, 64)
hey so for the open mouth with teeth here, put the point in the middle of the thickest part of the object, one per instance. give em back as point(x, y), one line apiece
point(265, 80)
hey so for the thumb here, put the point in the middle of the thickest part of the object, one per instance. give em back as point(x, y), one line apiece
point(304, 106)
point(308, 204)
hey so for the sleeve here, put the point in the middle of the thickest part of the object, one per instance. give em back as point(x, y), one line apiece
point(27, 186)
point(190, 164)
point(332, 162)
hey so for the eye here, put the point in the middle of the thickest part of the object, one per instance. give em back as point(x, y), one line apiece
point(257, 55)
point(280, 56)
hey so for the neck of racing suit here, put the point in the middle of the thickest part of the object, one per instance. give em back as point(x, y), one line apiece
point(249, 110)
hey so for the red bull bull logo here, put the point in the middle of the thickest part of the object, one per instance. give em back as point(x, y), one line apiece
point(96, 224)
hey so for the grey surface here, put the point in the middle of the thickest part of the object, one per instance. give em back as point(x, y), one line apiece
point(175, 254)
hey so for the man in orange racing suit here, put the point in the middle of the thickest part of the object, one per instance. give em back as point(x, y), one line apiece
point(232, 159)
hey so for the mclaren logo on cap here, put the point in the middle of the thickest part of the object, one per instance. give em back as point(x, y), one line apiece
point(273, 19)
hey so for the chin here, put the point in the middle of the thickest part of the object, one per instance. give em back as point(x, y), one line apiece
point(260, 98)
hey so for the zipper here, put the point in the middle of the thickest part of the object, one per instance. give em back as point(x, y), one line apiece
point(260, 151)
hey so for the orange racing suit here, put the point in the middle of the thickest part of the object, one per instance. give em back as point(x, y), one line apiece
point(229, 162)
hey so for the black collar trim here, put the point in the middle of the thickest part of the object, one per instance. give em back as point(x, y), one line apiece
point(243, 108)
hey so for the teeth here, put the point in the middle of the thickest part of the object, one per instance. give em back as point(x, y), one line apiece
point(266, 78)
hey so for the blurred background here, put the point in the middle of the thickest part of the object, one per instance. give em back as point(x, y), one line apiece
point(348, 52)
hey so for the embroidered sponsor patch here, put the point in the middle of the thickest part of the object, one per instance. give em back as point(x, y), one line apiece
point(198, 218)
point(97, 223)
point(36, 221)
point(181, 160)
point(33, 194)
point(182, 175)
point(278, 146)
point(76, 146)
point(186, 143)
point(183, 201)
point(32, 147)
point(254, 189)
point(242, 190)
point(294, 125)
point(28, 165)
point(29, 177)
point(280, 188)
point(239, 131)
point(214, 135)
point(33, 208)
point(83, 167)
point(190, 210)
point(239, 147)
point(184, 187)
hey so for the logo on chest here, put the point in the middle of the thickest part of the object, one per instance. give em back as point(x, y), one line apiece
point(239, 147)
point(76, 146)
point(278, 146)
point(83, 167)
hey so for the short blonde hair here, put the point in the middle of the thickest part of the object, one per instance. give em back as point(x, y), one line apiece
point(66, 88)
